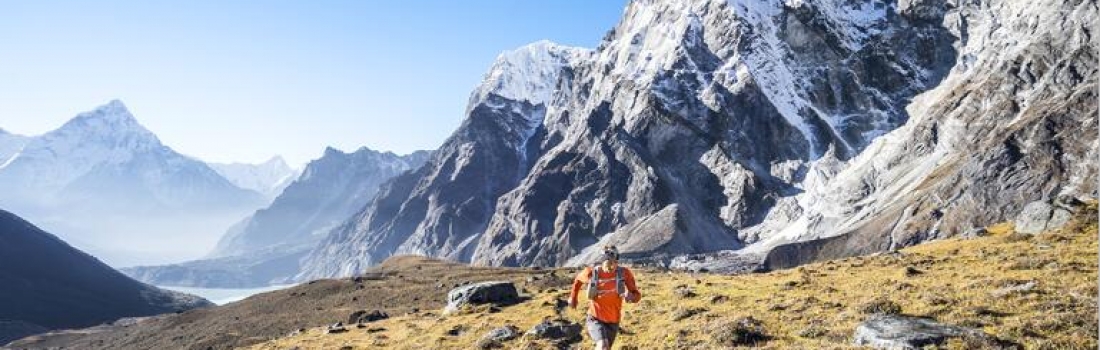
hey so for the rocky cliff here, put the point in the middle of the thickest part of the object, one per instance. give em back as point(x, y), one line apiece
point(704, 132)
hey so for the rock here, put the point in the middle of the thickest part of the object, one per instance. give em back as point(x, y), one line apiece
point(684, 291)
point(502, 334)
point(1039, 216)
point(337, 327)
point(362, 316)
point(976, 232)
point(683, 313)
point(912, 271)
point(897, 332)
point(456, 330)
point(1014, 289)
point(495, 292)
point(376, 329)
point(561, 330)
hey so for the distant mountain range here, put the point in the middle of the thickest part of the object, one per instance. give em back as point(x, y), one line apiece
point(110, 186)
point(46, 284)
point(266, 246)
point(268, 178)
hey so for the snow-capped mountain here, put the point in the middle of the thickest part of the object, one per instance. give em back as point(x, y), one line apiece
point(268, 178)
point(265, 247)
point(10, 146)
point(102, 174)
point(731, 127)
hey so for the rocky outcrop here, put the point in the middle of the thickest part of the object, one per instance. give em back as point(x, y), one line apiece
point(1039, 216)
point(1013, 123)
point(896, 332)
point(493, 292)
point(559, 331)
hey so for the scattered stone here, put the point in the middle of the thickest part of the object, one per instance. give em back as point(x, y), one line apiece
point(684, 291)
point(347, 347)
point(1014, 289)
point(905, 332)
point(718, 299)
point(737, 332)
point(556, 330)
point(456, 330)
point(362, 316)
point(497, 336)
point(912, 271)
point(813, 331)
point(495, 292)
point(337, 327)
point(376, 329)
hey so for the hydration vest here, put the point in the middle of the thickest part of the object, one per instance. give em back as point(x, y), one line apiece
point(593, 282)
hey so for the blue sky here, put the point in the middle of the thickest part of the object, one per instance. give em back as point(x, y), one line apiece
point(246, 80)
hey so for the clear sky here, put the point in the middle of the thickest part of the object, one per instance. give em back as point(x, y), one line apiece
point(230, 80)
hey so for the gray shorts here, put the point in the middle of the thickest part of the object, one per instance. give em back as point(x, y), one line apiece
point(600, 330)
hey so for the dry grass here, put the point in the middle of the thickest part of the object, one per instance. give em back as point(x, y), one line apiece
point(817, 306)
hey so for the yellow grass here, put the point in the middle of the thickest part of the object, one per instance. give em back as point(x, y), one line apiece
point(815, 306)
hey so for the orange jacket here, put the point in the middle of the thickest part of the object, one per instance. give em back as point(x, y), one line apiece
point(608, 305)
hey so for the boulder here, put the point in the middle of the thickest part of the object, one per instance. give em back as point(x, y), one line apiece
point(337, 327)
point(503, 334)
point(556, 330)
point(362, 316)
point(494, 292)
point(1039, 216)
point(896, 332)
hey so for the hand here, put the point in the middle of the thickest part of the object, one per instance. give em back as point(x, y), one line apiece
point(631, 297)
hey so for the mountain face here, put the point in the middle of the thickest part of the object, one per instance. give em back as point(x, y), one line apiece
point(1014, 123)
point(46, 284)
point(268, 178)
point(102, 177)
point(266, 247)
point(713, 131)
point(10, 145)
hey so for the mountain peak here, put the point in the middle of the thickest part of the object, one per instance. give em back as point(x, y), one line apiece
point(530, 72)
point(112, 118)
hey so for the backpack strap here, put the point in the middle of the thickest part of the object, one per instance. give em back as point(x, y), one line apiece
point(620, 282)
point(593, 283)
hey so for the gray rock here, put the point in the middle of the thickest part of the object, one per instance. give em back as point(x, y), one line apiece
point(895, 332)
point(557, 330)
point(494, 292)
point(1014, 289)
point(334, 328)
point(1039, 216)
point(502, 334)
point(362, 316)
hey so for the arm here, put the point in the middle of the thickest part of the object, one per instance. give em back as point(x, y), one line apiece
point(631, 287)
point(578, 283)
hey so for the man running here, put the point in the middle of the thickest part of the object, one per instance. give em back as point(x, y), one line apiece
point(612, 284)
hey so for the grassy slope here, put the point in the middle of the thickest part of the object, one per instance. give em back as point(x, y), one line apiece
point(816, 306)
